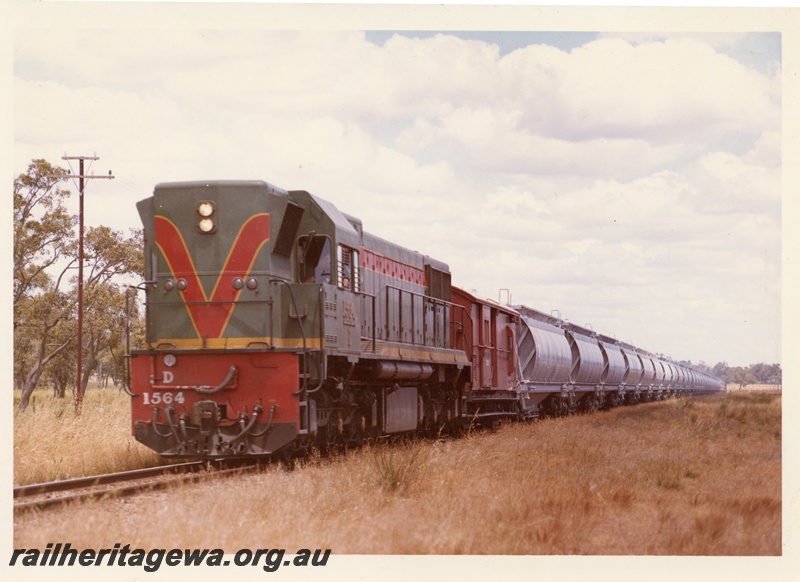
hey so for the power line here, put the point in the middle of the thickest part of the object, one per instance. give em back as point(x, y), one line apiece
point(81, 177)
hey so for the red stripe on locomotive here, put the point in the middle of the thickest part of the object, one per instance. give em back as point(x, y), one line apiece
point(210, 316)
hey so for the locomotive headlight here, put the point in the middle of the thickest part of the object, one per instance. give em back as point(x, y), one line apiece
point(206, 209)
point(252, 283)
point(206, 225)
point(238, 283)
point(169, 285)
point(170, 360)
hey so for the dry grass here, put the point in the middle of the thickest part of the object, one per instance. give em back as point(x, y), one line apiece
point(51, 443)
point(688, 477)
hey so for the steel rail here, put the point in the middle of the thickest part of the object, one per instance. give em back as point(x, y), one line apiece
point(114, 484)
point(78, 482)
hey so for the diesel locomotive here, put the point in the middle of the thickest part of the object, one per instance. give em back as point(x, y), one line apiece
point(276, 323)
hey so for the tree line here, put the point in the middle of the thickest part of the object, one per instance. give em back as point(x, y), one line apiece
point(45, 290)
point(45, 262)
point(760, 373)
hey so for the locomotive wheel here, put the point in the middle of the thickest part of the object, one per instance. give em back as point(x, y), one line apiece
point(287, 459)
point(357, 429)
point(330, 435)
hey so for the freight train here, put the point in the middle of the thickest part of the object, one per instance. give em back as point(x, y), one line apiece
point(275, 324)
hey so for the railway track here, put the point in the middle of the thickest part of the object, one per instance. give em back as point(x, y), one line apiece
point(54, 493)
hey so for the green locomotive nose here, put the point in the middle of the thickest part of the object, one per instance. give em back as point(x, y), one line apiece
point(208, 248)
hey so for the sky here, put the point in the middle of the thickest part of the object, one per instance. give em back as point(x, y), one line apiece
point(630, 179)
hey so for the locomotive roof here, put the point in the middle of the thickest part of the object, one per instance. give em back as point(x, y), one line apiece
point(352, 227)
point(346, 232)
point(271, 188)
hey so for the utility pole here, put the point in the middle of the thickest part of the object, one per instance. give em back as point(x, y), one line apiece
point(81, 177)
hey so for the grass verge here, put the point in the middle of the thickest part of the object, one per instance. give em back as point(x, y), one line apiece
point(682, 477)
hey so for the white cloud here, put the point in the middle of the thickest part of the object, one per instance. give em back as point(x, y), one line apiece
point(593, 181)
point(731, 183)
point(674, 91)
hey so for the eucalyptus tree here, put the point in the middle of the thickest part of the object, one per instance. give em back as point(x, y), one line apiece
point(44, 245)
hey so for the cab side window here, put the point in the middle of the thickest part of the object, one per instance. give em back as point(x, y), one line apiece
point(348, 275)
point(314, 259)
